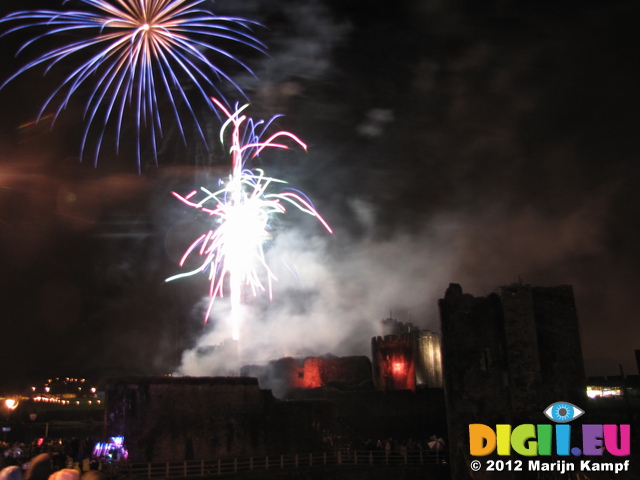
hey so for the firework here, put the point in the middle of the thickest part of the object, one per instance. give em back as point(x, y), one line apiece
point(135, 54)
point(232, 252)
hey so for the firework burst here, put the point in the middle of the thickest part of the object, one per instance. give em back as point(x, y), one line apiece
point(135, 53)
point(241, 208)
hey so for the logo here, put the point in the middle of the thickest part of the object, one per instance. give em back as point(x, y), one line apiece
point(550, 439)
point(563, 412)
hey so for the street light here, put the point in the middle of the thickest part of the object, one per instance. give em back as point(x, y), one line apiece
point(10, 404)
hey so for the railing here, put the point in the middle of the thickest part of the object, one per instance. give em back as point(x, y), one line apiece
point(226, 466)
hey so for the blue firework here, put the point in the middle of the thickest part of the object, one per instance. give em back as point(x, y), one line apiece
point(134, 54)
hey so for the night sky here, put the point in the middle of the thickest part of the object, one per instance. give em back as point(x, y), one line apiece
point(480, 143)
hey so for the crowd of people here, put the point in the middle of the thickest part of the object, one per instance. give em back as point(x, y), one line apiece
point(70, 460)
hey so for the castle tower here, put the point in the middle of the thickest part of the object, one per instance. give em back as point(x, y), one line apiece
point(428, 359)
point(393, 362)
point(506, 357)
point(422, 350)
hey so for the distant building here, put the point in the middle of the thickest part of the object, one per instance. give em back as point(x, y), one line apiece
point(606, 387)
point(506, 357)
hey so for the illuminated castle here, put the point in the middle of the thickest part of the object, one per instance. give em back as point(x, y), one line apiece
point(505, 357)
point(287, 404)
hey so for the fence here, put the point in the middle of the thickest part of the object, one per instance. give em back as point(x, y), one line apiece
point(226, 466)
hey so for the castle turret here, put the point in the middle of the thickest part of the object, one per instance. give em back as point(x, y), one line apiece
point(393, 362)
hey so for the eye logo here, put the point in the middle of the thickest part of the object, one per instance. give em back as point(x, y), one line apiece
point(562, 412)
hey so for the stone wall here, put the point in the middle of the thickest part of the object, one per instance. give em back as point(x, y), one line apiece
point(186, 418)
point(183, 418)
point(166, 419)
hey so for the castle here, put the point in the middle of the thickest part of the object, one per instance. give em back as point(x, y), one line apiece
point(502, 359)
point(288, 404)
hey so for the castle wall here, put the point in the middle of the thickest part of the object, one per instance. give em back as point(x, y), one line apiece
point(521, 348)
point(186, 418)
point(377, 415)
point(558, 335)
point(287, 374)
point(298, 426)
point(165, 419)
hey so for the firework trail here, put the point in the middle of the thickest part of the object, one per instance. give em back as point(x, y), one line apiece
point(135, 53)
point(233, 251)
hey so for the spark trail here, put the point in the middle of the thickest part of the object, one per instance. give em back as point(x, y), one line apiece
point(134, 53)
point(232, 252)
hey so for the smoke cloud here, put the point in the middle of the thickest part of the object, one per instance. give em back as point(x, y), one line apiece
point(445, 148)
